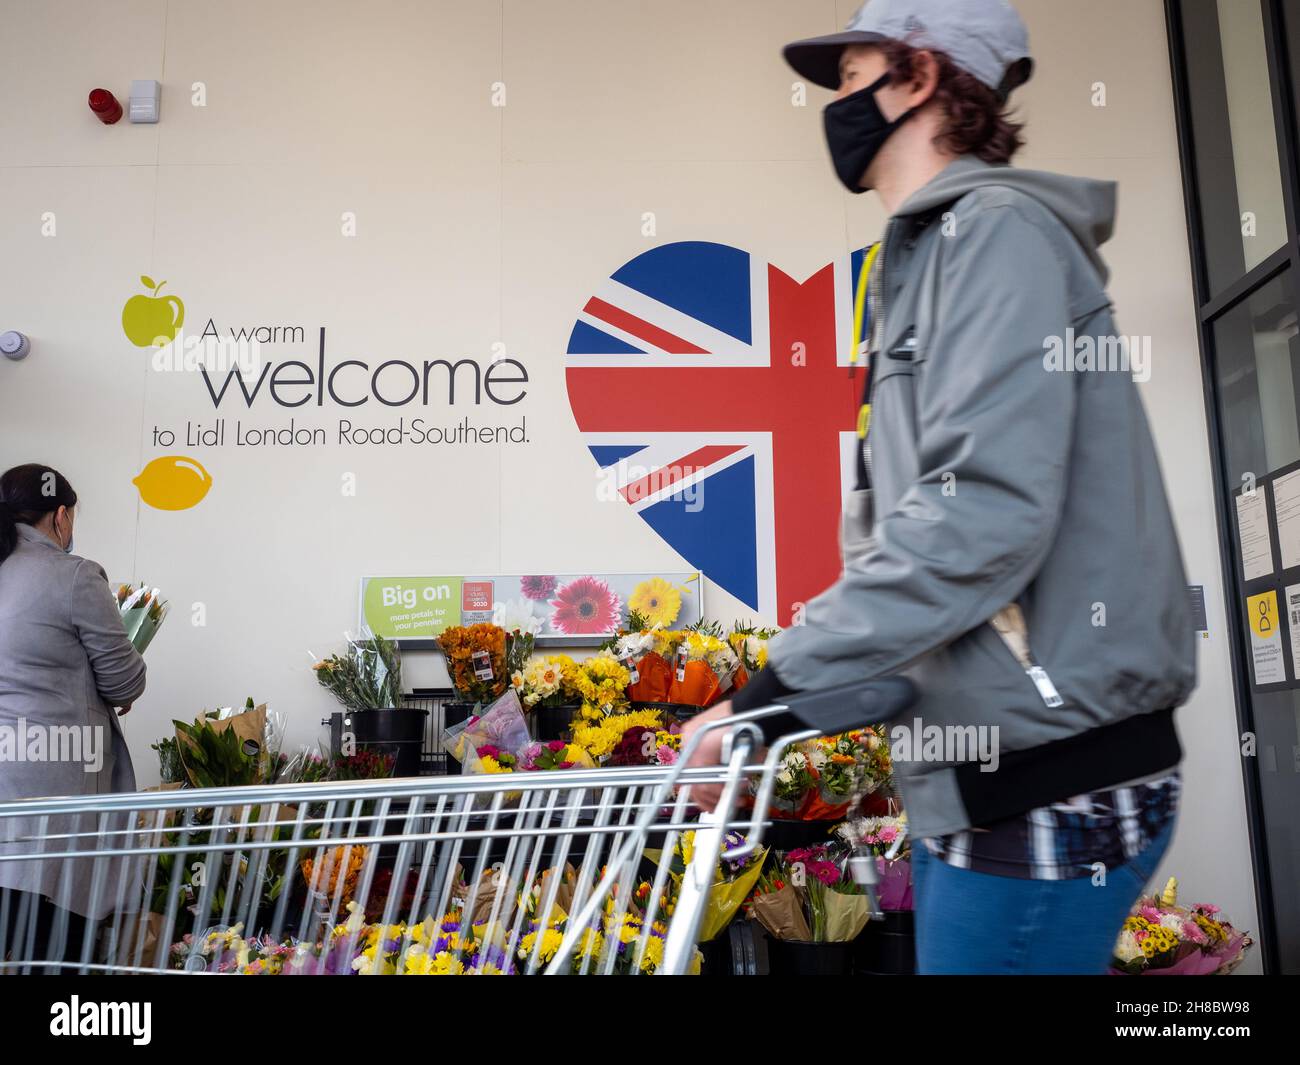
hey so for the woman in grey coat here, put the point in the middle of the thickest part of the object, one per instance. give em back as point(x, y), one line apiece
point(67, 671)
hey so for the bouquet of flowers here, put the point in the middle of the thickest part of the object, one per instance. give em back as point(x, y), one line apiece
point(555, 754)
point(795, 780)
point(690, 667)
point(647, 745)
point(554, 891)
point(848, 767)
point(546, 681)
point(490, 742)
point(1161, 938)
point(367, 676)
point(733, 881)
point(602, 736)
point(309, 766)
point(777, 906)
point(228, 748)
point(453, 944)
point(142, 613)
point(808, 897)
point(877, 836)
point(750, 645)
point(498, 742)
point(621, 933)
point(362, 765)
point(821, 779)
point(649, 674)
point(446, 946)
point(703, 667)
point(601, 682)
point(476, 661)
point(336, 873)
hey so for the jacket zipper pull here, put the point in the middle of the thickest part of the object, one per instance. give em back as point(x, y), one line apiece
point(1009, 623)
point(1051, 697)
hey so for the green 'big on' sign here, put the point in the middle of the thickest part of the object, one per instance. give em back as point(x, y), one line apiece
point(411, 608)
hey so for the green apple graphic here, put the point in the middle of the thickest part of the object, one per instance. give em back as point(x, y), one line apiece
point(152, 321)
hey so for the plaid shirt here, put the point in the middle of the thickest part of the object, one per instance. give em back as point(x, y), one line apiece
point(1065, 840)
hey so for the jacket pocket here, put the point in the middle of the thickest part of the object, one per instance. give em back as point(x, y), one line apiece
point(900, 356)
point(896, 367)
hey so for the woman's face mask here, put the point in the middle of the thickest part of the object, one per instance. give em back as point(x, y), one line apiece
point(856, 130)
point(65, 531)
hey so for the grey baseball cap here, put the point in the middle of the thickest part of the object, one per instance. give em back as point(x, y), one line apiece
point(985, 38)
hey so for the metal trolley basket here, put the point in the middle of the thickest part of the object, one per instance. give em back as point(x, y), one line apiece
point(570, 871)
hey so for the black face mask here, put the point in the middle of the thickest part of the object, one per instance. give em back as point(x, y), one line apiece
point(856, 130)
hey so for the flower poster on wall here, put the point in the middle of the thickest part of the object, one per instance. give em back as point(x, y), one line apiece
point(570, 608)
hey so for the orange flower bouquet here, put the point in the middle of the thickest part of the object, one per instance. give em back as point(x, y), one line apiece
point(338, 864)
point(650, 672)
point(703, 667)
point(476, 661)
point(691, 667)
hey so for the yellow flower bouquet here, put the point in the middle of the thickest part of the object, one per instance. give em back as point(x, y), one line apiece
point(601, 682)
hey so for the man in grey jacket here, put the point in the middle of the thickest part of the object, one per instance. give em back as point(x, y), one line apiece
point(1009, 546)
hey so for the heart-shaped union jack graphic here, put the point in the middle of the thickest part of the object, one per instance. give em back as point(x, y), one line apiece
point(713, 392)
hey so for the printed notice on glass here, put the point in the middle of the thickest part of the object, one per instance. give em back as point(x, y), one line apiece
point(1286, 507)
point(1293, 614)
point(1266, 638)
point(1252, 532)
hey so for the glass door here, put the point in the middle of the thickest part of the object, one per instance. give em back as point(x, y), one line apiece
point(1235, 96)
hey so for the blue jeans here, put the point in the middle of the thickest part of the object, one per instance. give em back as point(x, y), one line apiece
point(977, 923)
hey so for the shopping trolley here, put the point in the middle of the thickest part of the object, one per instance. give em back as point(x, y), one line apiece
point(572, 871)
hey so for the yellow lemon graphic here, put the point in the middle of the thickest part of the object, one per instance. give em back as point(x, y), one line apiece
point(152, 320)
point(173, 482)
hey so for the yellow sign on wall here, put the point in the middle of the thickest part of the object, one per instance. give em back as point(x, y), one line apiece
point(1266, 638)
point(1263, 614)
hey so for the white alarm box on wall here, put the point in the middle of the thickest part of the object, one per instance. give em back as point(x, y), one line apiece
point(145, 100)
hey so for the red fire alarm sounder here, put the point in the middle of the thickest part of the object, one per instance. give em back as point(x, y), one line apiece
point(105, 106)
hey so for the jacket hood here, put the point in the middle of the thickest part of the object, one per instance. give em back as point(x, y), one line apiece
point(1085, 206)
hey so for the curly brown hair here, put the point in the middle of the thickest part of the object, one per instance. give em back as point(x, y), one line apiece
point(977, 117)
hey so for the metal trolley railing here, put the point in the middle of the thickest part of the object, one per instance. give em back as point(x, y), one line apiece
point(570, 871)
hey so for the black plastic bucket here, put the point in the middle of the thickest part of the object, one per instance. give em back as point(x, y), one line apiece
point(888, 947)
point(554, 722)
point(455, 713)
point(398, 732)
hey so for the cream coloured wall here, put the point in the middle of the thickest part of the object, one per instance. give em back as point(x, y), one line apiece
point(476, 225)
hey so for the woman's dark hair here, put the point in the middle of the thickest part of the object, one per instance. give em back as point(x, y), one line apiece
point(977, 122)
point(27, 494)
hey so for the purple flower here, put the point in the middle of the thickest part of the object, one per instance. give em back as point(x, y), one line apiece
point(490, 956)
point(538, 588)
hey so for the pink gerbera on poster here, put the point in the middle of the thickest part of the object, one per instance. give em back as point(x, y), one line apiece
point(585, 606)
